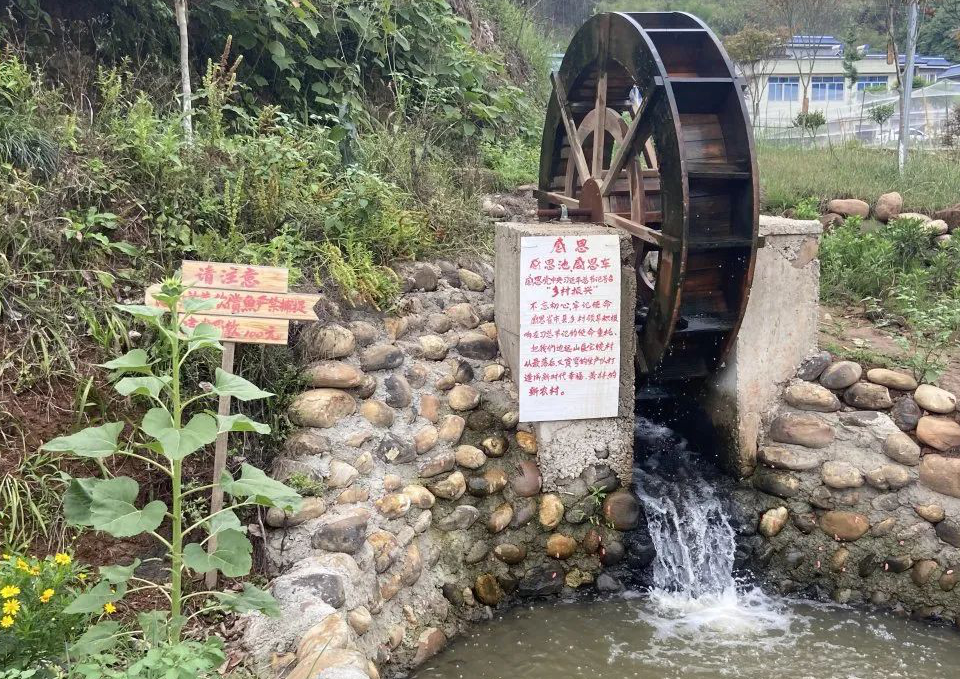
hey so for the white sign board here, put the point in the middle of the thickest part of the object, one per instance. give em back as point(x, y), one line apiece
point(569, 327)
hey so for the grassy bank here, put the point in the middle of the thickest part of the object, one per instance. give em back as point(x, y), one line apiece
point(791, 174)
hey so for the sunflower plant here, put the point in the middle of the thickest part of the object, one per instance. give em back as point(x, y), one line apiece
point(34, 595)
point(176, 426)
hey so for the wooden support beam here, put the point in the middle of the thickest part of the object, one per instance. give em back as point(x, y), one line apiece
point(636, 134)
point(557, 198)
point(644, 233)
point(572, 137)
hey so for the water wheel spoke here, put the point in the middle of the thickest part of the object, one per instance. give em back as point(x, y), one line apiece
point(637, 134)
point(573, 139)
point(600, 104)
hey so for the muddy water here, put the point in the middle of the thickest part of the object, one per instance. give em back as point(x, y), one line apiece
point(753, 637)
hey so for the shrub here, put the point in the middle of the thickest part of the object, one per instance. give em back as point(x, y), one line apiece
point(513, 162)
point(808, 208)
point(34, 593)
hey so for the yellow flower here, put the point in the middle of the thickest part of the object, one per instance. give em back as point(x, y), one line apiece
point(82, 577)
point(11, 606)
point(9, 591)
point(4, 557)
point(47, 595)
point(7, 621)
point(109, 608)
point(35, 571)
point(62, 559)
point(23, 565)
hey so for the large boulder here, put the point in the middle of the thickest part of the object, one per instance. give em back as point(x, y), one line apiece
point(941, 433)
point(935, 399)
point(801, 429)
point(846, 526)
point(941, 474)
point(849, 207)
point(321, 407)
point(888, 206)
point(950, 215)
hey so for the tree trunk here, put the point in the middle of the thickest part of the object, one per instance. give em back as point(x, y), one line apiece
point(907, 88)
point(186, 93)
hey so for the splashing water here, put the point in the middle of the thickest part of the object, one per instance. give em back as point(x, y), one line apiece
point(694, 587)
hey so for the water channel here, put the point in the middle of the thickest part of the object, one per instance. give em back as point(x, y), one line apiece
point(692, 614)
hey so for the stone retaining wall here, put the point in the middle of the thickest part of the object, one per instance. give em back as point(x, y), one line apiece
point(857, 489)
point(431, 509)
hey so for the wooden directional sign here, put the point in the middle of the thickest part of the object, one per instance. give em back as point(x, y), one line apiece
point(252, 306)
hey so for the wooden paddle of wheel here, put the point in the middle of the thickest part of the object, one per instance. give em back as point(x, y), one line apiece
point(647, 131)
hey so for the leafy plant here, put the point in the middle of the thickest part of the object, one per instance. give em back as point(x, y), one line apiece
point(881, 113)
point(35, 626)
point(809, 122)
point(808, 208)
point(513, 163)
point(29, 500)
point(163, 440)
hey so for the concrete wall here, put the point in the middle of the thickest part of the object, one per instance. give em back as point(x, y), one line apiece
point(779, 330)
point(568, 448)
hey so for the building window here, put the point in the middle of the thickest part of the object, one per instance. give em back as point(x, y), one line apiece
point(783, 88)
point(828, 88)
point(870, 82)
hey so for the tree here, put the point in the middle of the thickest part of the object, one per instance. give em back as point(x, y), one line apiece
point(810, 122)
point(755, 50)
point(180, 7)
point(906, 89)
point(940, 30)
point(813, 19)
point(881, 113)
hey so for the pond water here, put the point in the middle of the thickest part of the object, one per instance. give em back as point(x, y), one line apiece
point(689, 616)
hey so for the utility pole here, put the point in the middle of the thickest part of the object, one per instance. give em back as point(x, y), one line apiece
point(906, 89)
point(180, 7)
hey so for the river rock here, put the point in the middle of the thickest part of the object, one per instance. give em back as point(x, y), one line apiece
point(551, 511)
point(526, 483)
point(509, 553)
point(621, 510)
point(386, 549)
point(381, 357)
point(321, 407)
point(332, 374)
point(801, 429)
point(888, 206)
point(493, 372)
point(463, 315)
point(500, 517)
point(901, 448)
point(463, 397)
point(905, 413)
point(889, 477)
point(341, 474)
point(450, 488)
point(892, 379)
point(391, 449)
point(433, 347)
point(846, 526)
point(425, 440)
point(367, 387)
point(470, 457)
point(527, 442)
point(790, 459)
point(922, 571)
point(430, 407)
point(419, 496)
point(560, 546)
point(773, 521)
point(424, 277)
point(841, 375)
point(477, 346)
point(430, 642)
point(495, 446)
point(941, 433)
point(439, 323)
point(471, 280)
point(438, 464)
point(491, 482)
point(540, 582)
point(310, 508)
point(948, 530)
point(849, 207)
point(342, 533)
point(941, 474)
point(488, 590)
point(393, 505)
point(811, 396)
point(461, 518)
point(779, 484)
point(812, 366)
point(377, 413)
point(331, 341)
point(836, 474)
point(868, 396)
point(451, 428)
point(933, 513)
point(396, 326)
point(935, 399)
point(937, 227)
point(399, 393)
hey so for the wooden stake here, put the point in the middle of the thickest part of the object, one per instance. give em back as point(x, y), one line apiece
point(220, 458)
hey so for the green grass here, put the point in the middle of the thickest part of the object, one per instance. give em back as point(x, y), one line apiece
point(789, 175)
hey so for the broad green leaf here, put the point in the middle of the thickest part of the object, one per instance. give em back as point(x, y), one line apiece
point(253, 484)
point(112, 510)
point(226, 520)
point(142, 311)
point(231, 557)
point(201, 430)
point(93, 599)
point(155, 421)
point(193, 305)
point(97, 639)
point(77, 501)
point(154, 625)
point(241, 423)
point(90, 442)
point(203, 335)
point(132, 361)
point(142, 386)
point(252, 598)
point(117, 574)
point(227, 384)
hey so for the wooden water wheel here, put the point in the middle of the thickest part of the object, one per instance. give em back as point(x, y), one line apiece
point(647, 130)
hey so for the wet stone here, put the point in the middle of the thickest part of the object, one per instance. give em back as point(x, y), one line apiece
point(794, 459)
point(450, 488)
point(779, 484)
point(773, 521)
point(948, 530)
point(868, 565)
point(867, 396)
point(509, 553)
point(804, 430)
point(948, 581)
point(812, 366)
point(491, 482)
point(900, 563)
point(622, 510)
point(612, 553)
point(500, 517)
point(905, 413)
point(495, 446)
point(805, 523)
point(923, 571)
point(837, 474)
point(460, 518)
point(841, 375)
point(540, 582)
point(846, 526)
point(560, 546)
point(381, 357)
point(526, 483)
point(488, 590)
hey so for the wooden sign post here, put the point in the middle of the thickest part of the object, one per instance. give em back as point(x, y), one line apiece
point(253, 307)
